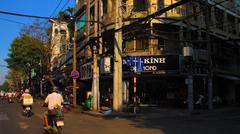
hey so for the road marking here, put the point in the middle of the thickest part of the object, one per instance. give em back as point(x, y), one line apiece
point(23, 125)
point(3, 117)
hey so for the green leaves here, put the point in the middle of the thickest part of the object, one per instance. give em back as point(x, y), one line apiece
point(25, 53)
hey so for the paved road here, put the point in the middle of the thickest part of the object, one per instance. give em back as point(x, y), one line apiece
point(12, 122)
point(162, 121)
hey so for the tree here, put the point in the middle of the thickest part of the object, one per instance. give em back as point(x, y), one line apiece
point(37, 30)
point(15, 79)
point(66, 14)
point(25, 53)
point(4, 86)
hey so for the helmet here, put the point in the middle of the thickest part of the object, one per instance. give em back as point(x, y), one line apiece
point(54, 88)
point(26, 91)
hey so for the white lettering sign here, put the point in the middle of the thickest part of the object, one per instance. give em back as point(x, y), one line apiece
point(150, 68)
point(153, 60)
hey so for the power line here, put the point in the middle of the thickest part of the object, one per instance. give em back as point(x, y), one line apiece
point(56, 8)
point(198, 13)
point(53, 12)
point(12, 21)
point(25, 15)
point(65, 5)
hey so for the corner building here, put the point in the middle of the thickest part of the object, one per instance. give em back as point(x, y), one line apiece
point(172, 45)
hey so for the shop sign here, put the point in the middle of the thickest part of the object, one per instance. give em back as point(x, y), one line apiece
point(105, 65)
point(159, 63)
point(86, 71)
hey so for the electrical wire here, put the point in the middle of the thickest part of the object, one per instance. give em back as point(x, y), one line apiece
point(53, 12)
point(56, 8)
point(25, 15)
point(197, 13)
point(12, 21)
point(64, 5)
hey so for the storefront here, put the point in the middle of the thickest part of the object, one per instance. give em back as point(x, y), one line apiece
point(160, 82)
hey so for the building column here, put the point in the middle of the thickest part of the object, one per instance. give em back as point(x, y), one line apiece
point(117, 73)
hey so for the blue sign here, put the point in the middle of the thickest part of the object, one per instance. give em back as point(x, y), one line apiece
point(136, 61)
point(74, 74)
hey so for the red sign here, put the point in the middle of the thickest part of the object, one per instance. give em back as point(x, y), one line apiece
point(74, 74)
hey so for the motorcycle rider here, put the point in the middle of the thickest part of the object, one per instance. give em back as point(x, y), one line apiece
point(53, 100)
point(25, 94)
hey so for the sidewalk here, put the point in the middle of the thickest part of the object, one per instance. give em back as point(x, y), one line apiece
point(155, 112)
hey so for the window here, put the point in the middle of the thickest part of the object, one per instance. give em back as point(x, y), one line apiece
point(105, 6)
point(219, 18)
point(231, 24)
point(161, 44)
point(140, 5)
point(160, 4)
point(91, 15)
point(130, 45)
point(81, 22)
point(194, 12)
point(141, 45)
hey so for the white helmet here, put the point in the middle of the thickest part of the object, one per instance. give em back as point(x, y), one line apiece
point(26, 91)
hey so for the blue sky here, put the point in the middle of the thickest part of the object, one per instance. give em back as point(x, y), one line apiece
point(10, 30)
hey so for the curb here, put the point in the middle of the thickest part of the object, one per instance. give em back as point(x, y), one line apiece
point(112, 115)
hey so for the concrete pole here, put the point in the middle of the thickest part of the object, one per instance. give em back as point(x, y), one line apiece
point(95, 81)
point(41, 82)
point(190, 77)
point(135, 89)
point(210, 89)
point(117, 74)
point(74, 64)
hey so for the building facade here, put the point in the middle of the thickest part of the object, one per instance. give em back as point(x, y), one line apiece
point(173, 45)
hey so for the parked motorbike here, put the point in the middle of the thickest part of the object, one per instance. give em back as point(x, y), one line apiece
point(66, 107)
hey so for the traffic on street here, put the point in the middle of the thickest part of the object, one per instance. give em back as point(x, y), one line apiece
point(120, 67)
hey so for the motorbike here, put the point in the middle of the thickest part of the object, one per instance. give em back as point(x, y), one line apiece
point(56, 122)
point(27, 111)
point(10, 100)
point(27, 105)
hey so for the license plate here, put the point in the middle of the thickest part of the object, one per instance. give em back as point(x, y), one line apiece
point(28, 108)
point(60, 123)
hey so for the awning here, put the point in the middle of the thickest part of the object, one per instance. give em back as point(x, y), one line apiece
point(230, 77)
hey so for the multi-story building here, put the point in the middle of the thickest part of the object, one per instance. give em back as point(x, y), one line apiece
point(165, 42)
point(59, 44)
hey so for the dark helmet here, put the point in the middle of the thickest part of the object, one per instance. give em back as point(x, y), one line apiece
point(54, 88)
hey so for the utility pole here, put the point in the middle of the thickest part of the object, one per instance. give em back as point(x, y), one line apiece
point(117, 74)
point(210, 73)
point(74, 64)
point(41, 82)
point(190, 68)
point(95, 82)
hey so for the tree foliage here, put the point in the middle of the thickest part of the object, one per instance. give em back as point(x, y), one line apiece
point(15, 79)
point(25, 53)
point(4, 86)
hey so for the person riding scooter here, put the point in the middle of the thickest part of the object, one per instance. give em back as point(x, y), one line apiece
point(54, 102)
point(27, 101)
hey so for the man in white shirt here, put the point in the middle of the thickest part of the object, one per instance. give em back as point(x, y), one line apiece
point(53, 100)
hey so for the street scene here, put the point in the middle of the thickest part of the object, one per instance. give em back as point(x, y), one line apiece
point(154, 121)
point(120, 66)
